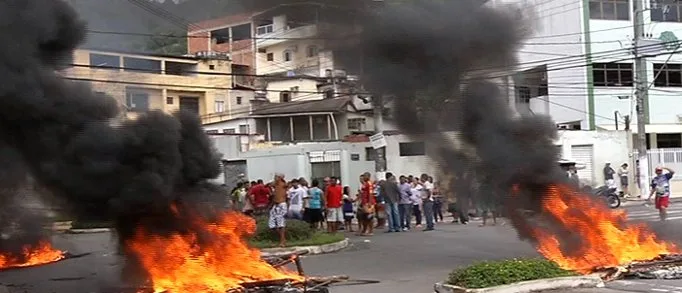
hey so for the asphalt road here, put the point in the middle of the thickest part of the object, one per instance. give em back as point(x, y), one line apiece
point(403, 262)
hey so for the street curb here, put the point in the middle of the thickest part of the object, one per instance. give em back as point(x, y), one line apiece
point(590, 281)
point(308, 250)
point(87, 231)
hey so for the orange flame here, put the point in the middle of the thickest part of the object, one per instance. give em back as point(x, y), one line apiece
point(31, 255)
point(607, 240)
point(179, 264)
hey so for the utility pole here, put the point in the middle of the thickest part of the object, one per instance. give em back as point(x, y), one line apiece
point(641, 95)
point(380, 159)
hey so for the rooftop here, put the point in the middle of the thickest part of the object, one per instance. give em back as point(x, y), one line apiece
point(315, 106)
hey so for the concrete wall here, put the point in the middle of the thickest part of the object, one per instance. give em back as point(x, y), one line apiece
point(294, 162)
point(608, 146)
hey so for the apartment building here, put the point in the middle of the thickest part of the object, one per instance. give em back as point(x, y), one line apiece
point(578, 66)
point(169, 83)
point(286, 45)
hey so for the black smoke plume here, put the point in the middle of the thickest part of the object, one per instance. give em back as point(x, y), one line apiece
point(444, 63)
point(74, 143)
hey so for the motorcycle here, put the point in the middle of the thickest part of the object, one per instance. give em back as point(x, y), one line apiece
point(609, 194)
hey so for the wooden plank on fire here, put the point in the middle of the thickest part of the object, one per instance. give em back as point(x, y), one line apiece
point(265, 283)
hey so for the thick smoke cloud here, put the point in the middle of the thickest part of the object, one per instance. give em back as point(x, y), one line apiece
point(72, 141)
point(441, 60)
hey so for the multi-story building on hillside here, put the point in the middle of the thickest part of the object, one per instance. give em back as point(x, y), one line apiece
point(286, 44)
point(169, 83)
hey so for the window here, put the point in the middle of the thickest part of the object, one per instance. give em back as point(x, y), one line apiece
point(286, 56)
point(610, 9)
point(356, 124)
point(284, 97)
point(668, 11)
point(137, 101)
point(244, 128)
point(219, 106)
point(370, 154)
point(169, 100)
point(211, 67)
point(228, 131)
point(270, 57)
point(408, 149)
point(141, 65)
point(668, 140)
point(612, 74)
point(212, 131)
point(312, 51)
point(111, 62)
point(670, 75)
point(239, 100)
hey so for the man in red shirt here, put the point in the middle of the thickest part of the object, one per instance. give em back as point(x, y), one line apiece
point(367, 205)
point(261, 197)
point(334, 202)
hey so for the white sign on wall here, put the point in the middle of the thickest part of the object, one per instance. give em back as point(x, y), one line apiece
point(378, 140)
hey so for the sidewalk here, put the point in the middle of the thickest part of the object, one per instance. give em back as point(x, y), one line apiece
point(634, 200)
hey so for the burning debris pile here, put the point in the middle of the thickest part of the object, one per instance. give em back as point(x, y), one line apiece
point(31, 255)
point(444, 63)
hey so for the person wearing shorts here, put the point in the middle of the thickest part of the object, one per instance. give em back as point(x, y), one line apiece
point(279, 209)
point(660, 186)
point(334, 205)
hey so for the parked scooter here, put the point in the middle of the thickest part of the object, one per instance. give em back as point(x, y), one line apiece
point(609, 194)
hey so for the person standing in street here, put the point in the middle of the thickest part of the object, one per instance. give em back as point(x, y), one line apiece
point(623, 174)
point(417, 201)
point(334, 201)
point(278, 211)
point(405, 203)
point(437, 201)
point(609, 175)
point(660, 186)
point(427, 199)
point(313, 213)
point(391, 194)
point(367, 205)
point(295, 196)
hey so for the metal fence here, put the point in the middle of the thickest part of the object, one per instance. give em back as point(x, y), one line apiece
point(671, 158)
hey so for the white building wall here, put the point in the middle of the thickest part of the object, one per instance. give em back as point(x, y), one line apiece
point(307, 90)
point(616, 35)
point(608, 146)
point(299, 58)
point(233, 124)
point(557, 27)
point(560, 34)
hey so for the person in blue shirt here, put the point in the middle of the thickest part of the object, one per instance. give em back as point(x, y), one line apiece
point(660, 186)
point(313, 213)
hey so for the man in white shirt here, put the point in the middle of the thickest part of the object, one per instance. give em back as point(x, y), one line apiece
point(427, 198)
point(295, 197)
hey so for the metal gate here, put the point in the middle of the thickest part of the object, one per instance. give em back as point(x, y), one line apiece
point(583, 155)
point(325, 164)
point(234, 171)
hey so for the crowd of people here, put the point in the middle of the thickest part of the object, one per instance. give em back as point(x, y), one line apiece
point(391, 202)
